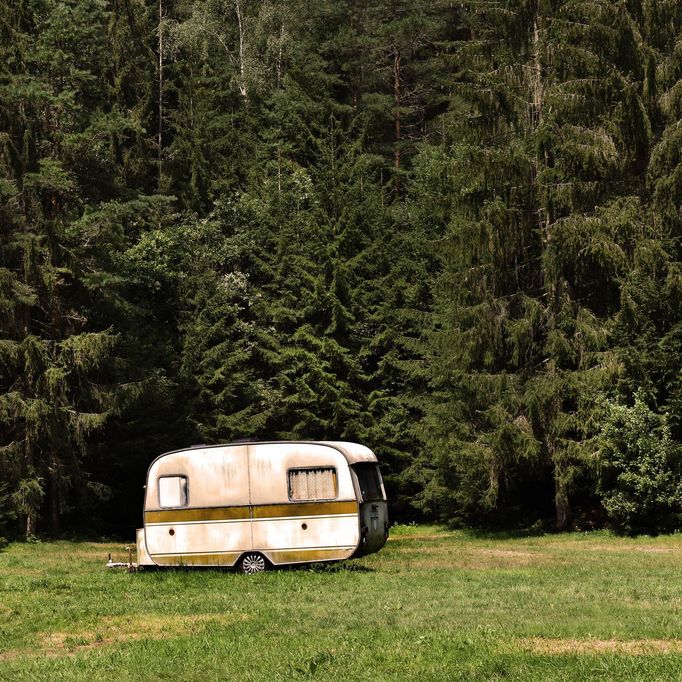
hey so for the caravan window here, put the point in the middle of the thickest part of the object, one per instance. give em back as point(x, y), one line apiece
point(312, 484)
point(369, 480)
point(173, 491)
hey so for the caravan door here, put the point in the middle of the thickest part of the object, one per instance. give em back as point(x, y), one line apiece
point(373, 507)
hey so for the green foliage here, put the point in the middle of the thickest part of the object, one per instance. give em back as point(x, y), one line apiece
point(545, 221)
point(641, 470)
point(60, 377)
point(449, 231)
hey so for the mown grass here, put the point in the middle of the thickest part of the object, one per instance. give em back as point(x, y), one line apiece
point(432, 605)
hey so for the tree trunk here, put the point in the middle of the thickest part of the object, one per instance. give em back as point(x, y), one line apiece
point(535, 116)
point(54, 496)
point(561, 502)
point(536, 79)
point(535, 119)
point(30, 524)
point(160, 132)
point(242, 66)
point(396, 120)
point(279, 57)
point(30, 513)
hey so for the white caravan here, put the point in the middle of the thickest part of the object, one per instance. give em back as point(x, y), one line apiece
point(262, 503)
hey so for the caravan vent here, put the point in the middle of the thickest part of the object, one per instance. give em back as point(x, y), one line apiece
point(312, 484)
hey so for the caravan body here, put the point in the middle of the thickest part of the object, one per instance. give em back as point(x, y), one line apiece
point(285, 502)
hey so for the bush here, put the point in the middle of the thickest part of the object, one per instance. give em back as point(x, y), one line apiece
point(641, 466)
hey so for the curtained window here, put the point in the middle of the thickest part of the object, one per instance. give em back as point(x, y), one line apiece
point(312, 484)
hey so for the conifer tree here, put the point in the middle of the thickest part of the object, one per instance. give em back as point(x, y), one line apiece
point(649, 331)
point(553, 137)
point(50, 400)
point(401, 41)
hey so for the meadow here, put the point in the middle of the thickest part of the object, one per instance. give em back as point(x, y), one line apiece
point(434, 604)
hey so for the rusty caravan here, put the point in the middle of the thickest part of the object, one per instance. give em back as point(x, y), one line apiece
point(257, 504)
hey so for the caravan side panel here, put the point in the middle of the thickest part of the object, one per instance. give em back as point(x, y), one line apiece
point(295, 530)
point(211, 526)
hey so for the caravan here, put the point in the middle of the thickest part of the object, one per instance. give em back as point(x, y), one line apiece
point(255, 504)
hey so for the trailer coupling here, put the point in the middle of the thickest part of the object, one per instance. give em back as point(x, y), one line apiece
point(128, 565)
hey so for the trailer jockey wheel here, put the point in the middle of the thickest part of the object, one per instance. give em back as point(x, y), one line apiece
point(253, 563)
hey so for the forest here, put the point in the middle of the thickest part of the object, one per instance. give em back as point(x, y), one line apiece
point(447, 230)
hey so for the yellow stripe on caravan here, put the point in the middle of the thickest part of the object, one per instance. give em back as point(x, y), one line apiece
point(265, 511)
point(274, 511)
point(292, 556)
point(211, 514)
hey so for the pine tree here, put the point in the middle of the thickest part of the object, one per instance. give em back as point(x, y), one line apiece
point(399, 92)
point(553, 138)
point(649, 332)
point(49, 393)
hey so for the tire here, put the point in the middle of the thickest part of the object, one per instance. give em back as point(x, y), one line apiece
point(252, 563)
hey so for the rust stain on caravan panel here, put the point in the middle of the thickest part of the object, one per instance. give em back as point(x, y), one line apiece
point(231, 468)
point(268, 477)
point(216, 559)
point(293, 556)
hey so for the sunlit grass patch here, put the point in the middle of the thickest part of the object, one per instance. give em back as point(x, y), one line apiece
point(434, 604)
point(112, 630)
point(631, 647)
point(444, 556)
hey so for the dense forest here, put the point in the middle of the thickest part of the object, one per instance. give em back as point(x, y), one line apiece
point(450, 231)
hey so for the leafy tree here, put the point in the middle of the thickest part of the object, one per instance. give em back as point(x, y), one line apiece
point(641, 470)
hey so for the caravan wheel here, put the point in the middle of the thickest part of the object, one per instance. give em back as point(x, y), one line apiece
point(253, 563)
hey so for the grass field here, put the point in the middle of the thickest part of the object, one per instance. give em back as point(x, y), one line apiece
point(432, 605)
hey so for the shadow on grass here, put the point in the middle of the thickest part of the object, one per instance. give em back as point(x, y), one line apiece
point(509, 534)
point(328, 568)
point(341, 567)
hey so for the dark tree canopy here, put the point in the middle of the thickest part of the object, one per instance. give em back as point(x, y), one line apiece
point(450, 231)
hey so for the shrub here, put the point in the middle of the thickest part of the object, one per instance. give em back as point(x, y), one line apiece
point(641, 466)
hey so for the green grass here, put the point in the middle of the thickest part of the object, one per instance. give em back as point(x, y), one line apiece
point(432, 605)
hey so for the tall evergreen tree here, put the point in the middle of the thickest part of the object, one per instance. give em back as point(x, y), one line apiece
point(50, 395)
point(553, 138)
point(648, 331)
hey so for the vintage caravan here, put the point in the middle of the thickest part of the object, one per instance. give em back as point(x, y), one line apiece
point(255, 504)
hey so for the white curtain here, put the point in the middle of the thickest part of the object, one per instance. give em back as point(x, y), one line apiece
point(312, 484)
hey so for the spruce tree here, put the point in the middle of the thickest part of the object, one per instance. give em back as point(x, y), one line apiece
point(553, 135)
point(49, 394)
